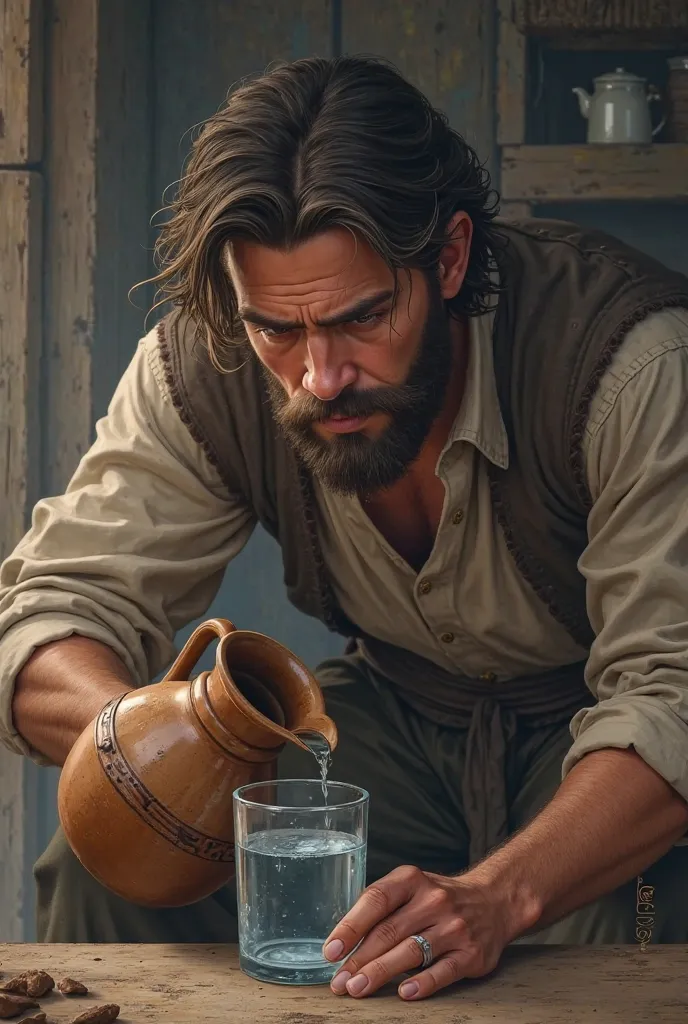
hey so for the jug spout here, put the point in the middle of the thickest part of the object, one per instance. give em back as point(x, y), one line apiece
point(320, 727)
point(584, 99)
point(265, 695)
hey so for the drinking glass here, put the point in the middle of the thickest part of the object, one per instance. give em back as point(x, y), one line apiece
point(301, 859)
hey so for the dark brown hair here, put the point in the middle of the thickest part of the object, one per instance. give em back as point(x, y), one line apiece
point(308, 146)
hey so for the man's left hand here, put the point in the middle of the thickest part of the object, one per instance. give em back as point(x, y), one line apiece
point(465, 921)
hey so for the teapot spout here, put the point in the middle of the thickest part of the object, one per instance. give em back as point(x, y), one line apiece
point(584, 99)
point(316, 728)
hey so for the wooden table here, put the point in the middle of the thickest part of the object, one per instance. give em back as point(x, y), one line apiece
point(534, 985)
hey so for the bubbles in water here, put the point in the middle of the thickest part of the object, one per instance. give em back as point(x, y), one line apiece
point(284, 921)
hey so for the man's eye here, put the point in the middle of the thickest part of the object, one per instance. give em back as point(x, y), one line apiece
point(276, 332)
point(368, 318)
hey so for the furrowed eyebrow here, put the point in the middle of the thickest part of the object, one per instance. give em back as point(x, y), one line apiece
point(363, 306)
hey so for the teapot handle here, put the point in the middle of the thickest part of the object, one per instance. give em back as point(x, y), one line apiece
point(213, 629)
point(653, 95)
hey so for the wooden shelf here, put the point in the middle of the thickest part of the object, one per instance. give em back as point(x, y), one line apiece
point(627, 40)
point(546, 174)
point(546, 16)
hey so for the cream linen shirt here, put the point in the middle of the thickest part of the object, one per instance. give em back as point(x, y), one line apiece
point(137, 546)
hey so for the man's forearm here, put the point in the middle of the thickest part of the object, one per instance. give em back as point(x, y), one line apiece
point(61, 689)
point(610, 819)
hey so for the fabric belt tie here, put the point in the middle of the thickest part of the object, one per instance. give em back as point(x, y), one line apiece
point(490, 711)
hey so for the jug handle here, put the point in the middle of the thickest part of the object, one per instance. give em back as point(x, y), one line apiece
point(200, 639)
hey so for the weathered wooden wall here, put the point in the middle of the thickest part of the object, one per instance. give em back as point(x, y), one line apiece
point(20, 334)
point(445, 48)
point(20, 339)
point(124, 188)
point(70, 243)
point(21, 217)
point(21, 82)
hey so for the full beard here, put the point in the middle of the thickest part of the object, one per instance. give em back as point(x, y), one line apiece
point(353, 463)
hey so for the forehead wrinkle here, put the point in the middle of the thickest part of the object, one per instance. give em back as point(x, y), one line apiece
point(312, 291)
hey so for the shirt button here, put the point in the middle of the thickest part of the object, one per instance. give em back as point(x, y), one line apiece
point(447, 638)
point(457, 517)
point(488, 677)
point(425, 586)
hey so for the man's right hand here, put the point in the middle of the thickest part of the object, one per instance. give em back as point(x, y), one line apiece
point(61, 689)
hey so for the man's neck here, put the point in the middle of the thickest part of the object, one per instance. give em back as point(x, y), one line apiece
point(408, 513)
point(441, 429)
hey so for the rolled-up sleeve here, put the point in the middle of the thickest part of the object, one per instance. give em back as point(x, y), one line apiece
point(135, 549)
point(636, 561)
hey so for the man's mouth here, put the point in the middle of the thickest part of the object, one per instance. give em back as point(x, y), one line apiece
point(344, 424)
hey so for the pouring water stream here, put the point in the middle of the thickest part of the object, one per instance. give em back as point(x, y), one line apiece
point(320, 749)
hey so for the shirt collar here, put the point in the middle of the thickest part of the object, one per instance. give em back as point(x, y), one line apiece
point(479, 419)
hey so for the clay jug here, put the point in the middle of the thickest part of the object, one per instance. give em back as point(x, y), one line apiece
point(145, 796)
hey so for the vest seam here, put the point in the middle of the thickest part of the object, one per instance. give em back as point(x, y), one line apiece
point(611, 395)
point(182, 407)
point(581, 412)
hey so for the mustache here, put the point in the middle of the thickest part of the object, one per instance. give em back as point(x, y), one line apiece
point(302, 412)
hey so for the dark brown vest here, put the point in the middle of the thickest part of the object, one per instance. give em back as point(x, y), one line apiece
point(569, 297)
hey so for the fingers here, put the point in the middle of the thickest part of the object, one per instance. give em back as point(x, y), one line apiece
point(409, 920)
point(375, 939)
point(376, 904)
point(445, 971)
point(361, 976)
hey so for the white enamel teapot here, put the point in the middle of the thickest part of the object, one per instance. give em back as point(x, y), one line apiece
point(619, 109)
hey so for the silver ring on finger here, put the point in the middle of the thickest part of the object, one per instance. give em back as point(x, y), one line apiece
point(425, 948)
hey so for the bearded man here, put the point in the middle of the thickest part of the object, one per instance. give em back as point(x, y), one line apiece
point(470, 439)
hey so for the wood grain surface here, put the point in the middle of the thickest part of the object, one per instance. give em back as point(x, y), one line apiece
point(21, 221)
point(534, 985)
point(70, 242)
point(594, 173)
point(600, 15)
point(21, 80)
point(20, 346)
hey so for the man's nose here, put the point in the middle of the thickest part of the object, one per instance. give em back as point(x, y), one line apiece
point(326, 373)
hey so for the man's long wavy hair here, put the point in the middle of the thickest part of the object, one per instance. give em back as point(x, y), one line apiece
point(312, 145)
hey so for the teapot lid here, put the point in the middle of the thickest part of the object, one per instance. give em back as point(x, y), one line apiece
point(618, 76)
